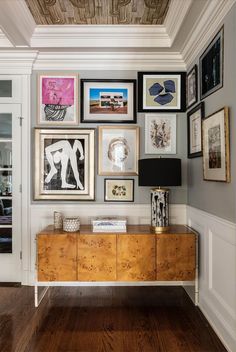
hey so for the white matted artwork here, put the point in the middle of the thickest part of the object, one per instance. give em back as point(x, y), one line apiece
point(57, 99)
point(216, 161)
point(64, 164)
point(118, 150)
point(160, 134)
point(117, 190)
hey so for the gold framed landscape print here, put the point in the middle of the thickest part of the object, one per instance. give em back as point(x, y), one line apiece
point(216, 161)
point(118, 150)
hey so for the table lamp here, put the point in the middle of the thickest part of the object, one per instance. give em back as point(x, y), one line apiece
point(160, 172)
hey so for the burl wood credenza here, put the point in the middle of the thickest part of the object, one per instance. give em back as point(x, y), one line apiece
point(137, 257)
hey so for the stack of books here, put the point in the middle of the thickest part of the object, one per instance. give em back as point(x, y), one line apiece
point(109, 224)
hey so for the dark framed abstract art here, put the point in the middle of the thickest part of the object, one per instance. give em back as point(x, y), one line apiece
point(161, 91)
point(64, 164)
point(211, 65)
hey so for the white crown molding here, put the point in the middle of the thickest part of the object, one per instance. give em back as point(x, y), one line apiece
point(17, 22)
point(209, 21)
point(17, 62)
point(175, 16)
point(109, 60)
point(100, 36)
point(4, 42)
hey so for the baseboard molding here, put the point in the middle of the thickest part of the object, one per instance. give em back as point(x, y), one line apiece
point(217, 279)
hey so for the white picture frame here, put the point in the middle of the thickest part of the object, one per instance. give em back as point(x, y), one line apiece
point(160, 134)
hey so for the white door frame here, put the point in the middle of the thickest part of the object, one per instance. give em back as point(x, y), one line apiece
point(10, 268)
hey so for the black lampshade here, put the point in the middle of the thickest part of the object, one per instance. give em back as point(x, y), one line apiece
point(160, 172)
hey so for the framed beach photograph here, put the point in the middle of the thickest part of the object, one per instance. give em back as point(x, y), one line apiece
point(118, 150)
point(117, 190)
point(211, 66)
point(64, 164)
point(108, 100)
point(160, 134)
point(57, 99)
point(192, 87)
point(194, 121)
point(161, 91)
point(216, 160)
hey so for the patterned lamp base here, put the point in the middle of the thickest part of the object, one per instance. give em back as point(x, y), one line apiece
point(159, 209)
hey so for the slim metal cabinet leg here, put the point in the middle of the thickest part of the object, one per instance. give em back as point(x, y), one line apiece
point(38, 299)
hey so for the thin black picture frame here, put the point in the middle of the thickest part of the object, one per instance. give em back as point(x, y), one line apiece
point(118, 179)
point(83, 118)
point(201, 107)
point(182, 79)
point(209, 74)
point(195, 70)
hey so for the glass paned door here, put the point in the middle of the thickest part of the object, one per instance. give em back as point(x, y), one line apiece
point(10, 193)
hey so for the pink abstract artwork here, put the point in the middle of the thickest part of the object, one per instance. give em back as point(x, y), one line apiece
point(58, 91)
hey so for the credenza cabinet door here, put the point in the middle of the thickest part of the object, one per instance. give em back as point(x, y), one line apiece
point(57, 257)
point(97, 257)
point(136, 257)
point(175, 257)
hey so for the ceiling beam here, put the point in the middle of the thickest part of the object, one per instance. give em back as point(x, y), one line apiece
point(16, 22)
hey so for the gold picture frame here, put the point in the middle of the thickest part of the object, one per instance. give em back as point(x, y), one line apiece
point(64, 164)
point(118, 150)
point(216, 154)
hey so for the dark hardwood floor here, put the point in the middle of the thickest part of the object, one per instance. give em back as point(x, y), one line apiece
point(99, 319)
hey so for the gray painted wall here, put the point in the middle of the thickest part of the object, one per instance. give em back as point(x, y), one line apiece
point(142, 194)
point(219, 198)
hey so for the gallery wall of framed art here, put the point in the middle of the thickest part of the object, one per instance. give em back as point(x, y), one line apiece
point(125, 83)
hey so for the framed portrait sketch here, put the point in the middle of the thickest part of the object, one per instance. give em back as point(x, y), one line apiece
point(192, 87)
point(211, 66)
point(108, 100)
point(160, 134)
point(216, 161)
point(161, 91)
point(64, 164)
point(117, 190)
point(118, 150)
point(57, 99)
point(194, 121)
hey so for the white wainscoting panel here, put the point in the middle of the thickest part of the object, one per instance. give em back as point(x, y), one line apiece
point(217, 274)
point(42, 215)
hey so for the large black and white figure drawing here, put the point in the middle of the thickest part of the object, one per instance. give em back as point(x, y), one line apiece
point(65, 161)
point(64, 164)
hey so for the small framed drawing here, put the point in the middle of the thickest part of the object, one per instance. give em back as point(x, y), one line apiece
point(160, 134)
point(161, 91)
point(211, 66)
point(192, 87)
point(118, 150)
point(215, 129)
point(64, 164)
point(194, 121)
point(117, 190)
point(57, 99)
point(108, 100)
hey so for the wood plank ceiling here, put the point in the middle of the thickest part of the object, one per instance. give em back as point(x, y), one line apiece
point(124, 12)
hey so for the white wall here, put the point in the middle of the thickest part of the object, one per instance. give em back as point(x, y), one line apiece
point(217, 272)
